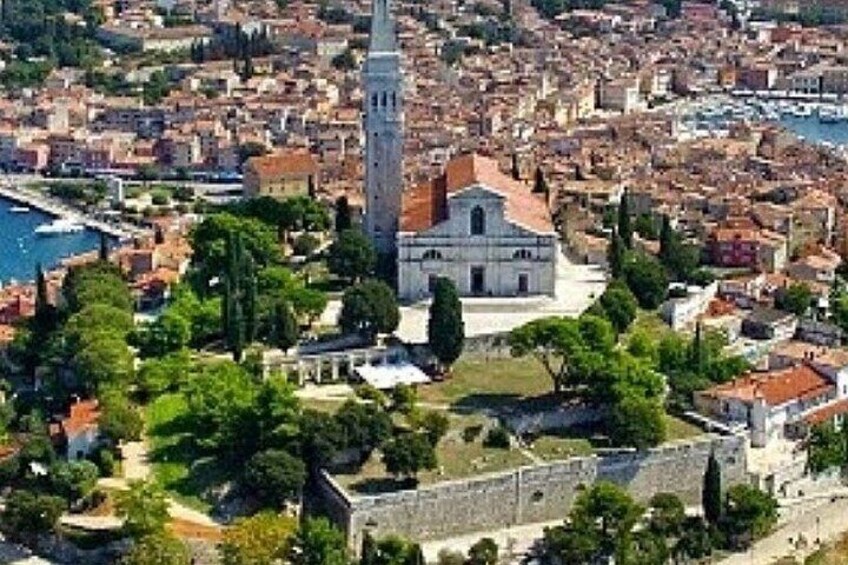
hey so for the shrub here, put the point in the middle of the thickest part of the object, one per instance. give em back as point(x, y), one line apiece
point(305, 245)
point(497, 438)
point(471, 433)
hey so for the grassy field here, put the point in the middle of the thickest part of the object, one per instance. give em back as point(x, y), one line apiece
point(679, 429)
point(457, 458)
point(477, 382)
point(177, 465)
point(552, 447)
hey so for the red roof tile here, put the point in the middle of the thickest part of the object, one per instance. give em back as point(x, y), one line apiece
point(775, 387)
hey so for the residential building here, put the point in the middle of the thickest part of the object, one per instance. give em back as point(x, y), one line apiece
point(281, 175)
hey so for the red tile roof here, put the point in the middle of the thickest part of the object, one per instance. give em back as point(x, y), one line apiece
point(426, 205)
point(84, 414)
point(775, 387)
point(295, 163)
point(827, 412)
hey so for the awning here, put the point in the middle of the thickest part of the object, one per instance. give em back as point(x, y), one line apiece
point(391, 375)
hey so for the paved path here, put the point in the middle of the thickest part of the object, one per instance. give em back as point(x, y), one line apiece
point(136, 466)
point(823, 519)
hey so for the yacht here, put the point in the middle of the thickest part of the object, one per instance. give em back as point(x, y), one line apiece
point(60, 226)
point(20, 210)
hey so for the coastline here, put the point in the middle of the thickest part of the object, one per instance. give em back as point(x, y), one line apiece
point(57, 210)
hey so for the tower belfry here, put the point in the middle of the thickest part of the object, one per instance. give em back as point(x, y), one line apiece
point(383, 129)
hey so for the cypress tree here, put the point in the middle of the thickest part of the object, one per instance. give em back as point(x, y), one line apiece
point(666, 240)
point(697, 351)
point(445, 329)
point(343, 216)
point(415, 555)
point(42, 304)
point(540, 186)
point(250, 300)
point(625, 228)
point(615, 255)
point(236, 334)
point(369, 554)
point(516, 172)
point(103, 253)
point(285, 327)
point(711, 494)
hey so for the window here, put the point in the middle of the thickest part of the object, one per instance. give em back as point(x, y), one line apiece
point(523, 283)
point(431, 254)
point(373, 100)
point(522, 254)
point(478, 221)
point(384, 99)
point(431, 283)
point(394, 100)
point(478, 280)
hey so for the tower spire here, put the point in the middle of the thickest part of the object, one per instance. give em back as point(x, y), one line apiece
point(382, 28)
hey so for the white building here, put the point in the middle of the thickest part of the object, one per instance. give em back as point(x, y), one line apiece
point(479, 227)
point(779, 404)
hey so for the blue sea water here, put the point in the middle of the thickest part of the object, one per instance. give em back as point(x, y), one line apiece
point(812, 130)
point(21, 250)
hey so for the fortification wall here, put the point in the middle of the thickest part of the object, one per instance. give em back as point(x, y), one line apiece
point(531, 494)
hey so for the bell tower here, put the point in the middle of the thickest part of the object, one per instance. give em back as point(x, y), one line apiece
point(383, 129)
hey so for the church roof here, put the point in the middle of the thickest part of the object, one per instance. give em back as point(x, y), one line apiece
point(426, 205)
point(382, 28)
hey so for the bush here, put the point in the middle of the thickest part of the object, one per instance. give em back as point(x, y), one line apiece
point(497, 438)
point(160, 198)
point(471, 433)
point(305, 245)
point(372, 393)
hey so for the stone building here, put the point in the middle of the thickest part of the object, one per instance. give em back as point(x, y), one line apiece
point(479, 227)
point(281, 175)
point(383, 129)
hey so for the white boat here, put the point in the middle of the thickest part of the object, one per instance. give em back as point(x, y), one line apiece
point(20, 210)
point(60, 226)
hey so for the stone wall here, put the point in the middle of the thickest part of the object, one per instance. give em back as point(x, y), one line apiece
point(530, 494)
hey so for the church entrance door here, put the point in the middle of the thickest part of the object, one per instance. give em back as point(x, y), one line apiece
point(478, 280)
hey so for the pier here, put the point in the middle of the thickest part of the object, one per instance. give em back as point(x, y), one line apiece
point(50, 206)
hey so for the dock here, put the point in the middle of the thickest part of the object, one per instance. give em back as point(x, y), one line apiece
point(50, 206)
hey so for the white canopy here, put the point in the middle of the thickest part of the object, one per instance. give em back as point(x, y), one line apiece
point(391, 375)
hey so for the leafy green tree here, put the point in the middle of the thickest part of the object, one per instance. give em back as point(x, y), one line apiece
point(369, 553)
point(352, 256)
point(28, 514)
point(275, 476)
point(668, 514)
point(445, 328)
point(795, 299)
point(637, 422)
point(407, 454)
point(404, 398)
point(119, 420)
point(826, 448)
point(73, 480)
point(695, 541)
point(711, 497)
point(344, 61)
point(104, 362)
point(144, 509)
point(96, 283)
point(158, 549)
point(619, 306)
point(435, 425)
point(369, 308)
point(364, 426)
point(646, 280)
point(483, 552)
point(209, 244)
point(261, 539)
point(646, 227)
point(318, 542)
point(170, 332)
point(553, 342)
point(168, 373)
point(750, 514)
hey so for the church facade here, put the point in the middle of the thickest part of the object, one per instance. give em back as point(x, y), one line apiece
point(479, 227)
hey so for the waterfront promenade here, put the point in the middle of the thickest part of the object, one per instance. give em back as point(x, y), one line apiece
point(35, 199)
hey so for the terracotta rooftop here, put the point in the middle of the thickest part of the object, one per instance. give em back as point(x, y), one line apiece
point(284, 163)
point(426, 205)
point(775, 387)
point(827, 412)
point(84, 414)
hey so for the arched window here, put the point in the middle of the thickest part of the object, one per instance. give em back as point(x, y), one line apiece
point(431, 254)
point(522, 254)
point(373, 100)
point(478, 221)
point(385, 97)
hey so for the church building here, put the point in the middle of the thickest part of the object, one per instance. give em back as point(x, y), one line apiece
point(479, 227)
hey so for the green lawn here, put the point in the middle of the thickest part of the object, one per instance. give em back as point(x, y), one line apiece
point(679, 429)
point(551, 447)
point(177, 464)
point(476, 382)
point(457, 459)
